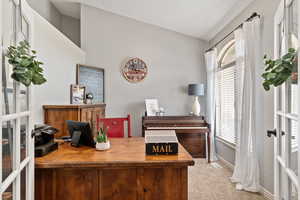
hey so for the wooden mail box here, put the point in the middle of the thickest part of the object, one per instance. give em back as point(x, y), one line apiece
point(161, 142)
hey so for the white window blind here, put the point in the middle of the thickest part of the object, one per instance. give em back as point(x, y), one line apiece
point(225, 106)
point(293, 101)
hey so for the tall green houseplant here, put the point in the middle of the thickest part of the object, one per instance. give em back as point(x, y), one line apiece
point(26, 68)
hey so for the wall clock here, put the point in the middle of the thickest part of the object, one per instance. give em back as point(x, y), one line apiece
point(135, 70)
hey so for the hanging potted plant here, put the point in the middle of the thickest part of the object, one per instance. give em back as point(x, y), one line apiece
point(26, 68)
point(102, 140)
point(280, 70)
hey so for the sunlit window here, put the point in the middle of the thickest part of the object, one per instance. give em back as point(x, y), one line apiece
point(225, 112)
point(227, 54)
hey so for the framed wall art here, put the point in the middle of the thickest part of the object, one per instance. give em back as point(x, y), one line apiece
point(77, 94)
point(93, 79)
point(134, 70)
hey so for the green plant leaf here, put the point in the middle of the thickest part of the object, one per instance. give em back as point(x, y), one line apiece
point(292, 50)
point(279, 69)
point(38, 79)
point(266, 86)
point(271, 76)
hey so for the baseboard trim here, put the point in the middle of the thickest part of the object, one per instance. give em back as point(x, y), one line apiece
point(268, 195)
point(225, 162)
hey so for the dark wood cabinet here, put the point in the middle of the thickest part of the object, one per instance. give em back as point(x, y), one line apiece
point(192, 132)
point(56, 116)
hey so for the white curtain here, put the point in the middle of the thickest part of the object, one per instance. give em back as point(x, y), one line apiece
point(211, 69)
point(249, 63)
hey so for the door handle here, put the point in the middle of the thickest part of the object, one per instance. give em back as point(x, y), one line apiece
point(271, 132)
point(33, 133)
point(274, 132)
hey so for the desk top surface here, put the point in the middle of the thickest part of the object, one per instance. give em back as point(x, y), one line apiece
point(124, 152)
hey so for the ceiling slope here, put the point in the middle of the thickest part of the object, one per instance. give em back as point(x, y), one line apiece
point(197, 18)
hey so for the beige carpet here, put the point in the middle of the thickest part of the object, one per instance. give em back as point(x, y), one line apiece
point(207, 182)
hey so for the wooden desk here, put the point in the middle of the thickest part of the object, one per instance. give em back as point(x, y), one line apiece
point(192, 132)
point(122, 173)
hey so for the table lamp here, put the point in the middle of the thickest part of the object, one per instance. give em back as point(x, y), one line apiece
point(196, 90)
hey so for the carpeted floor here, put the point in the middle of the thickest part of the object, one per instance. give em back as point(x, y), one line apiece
point(207, 182)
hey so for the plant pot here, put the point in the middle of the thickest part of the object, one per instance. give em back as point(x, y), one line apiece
point(294, 77)
point(102, 146)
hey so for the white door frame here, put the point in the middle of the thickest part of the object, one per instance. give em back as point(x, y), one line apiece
point(27, 164)
point(284, 175)
point(1, 50)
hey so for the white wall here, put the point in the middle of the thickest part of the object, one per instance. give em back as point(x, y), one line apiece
point(267, 9)
point(71, 28)
point(174, 60)
point(46, 9)
point(60, 57)
point(67, 25)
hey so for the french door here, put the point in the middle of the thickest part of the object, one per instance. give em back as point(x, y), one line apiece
point(16, 143)
point(286, 120)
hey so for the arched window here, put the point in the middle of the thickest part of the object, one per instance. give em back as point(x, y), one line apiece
point(227, 55)
point(225, 93)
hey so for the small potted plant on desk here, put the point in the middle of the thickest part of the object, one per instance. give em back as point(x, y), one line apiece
point(102, 140)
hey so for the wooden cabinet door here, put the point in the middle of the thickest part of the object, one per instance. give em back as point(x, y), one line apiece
point(66, 184)
point(73, 184)
point(57, 118)
point(90, 115)
point(118, 184)
point(87, 116)
point(97, 112)
point(163, 183)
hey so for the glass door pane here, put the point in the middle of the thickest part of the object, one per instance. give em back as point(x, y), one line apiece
point(24, 98)
point(293, 43)
point(8, 133)
point(294, 195)
point(9, 38)
point(8, 194)
point(24, 131)
point(293, 96)
point(293, 150)
point(23, 183)
point(293, 24)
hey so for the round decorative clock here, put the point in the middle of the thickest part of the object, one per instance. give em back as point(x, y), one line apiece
point(135, 70)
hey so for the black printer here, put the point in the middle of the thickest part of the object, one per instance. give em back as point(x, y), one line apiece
point(44, 140)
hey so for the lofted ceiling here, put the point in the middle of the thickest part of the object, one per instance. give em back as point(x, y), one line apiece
point(198, 18)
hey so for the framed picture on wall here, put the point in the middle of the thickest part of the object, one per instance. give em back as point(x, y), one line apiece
point(77, 94)
point(93, 79)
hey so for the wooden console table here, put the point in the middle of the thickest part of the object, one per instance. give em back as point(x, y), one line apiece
point(192, 132)
point(123, 172)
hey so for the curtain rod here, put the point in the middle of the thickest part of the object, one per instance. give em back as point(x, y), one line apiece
point(239, 26)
